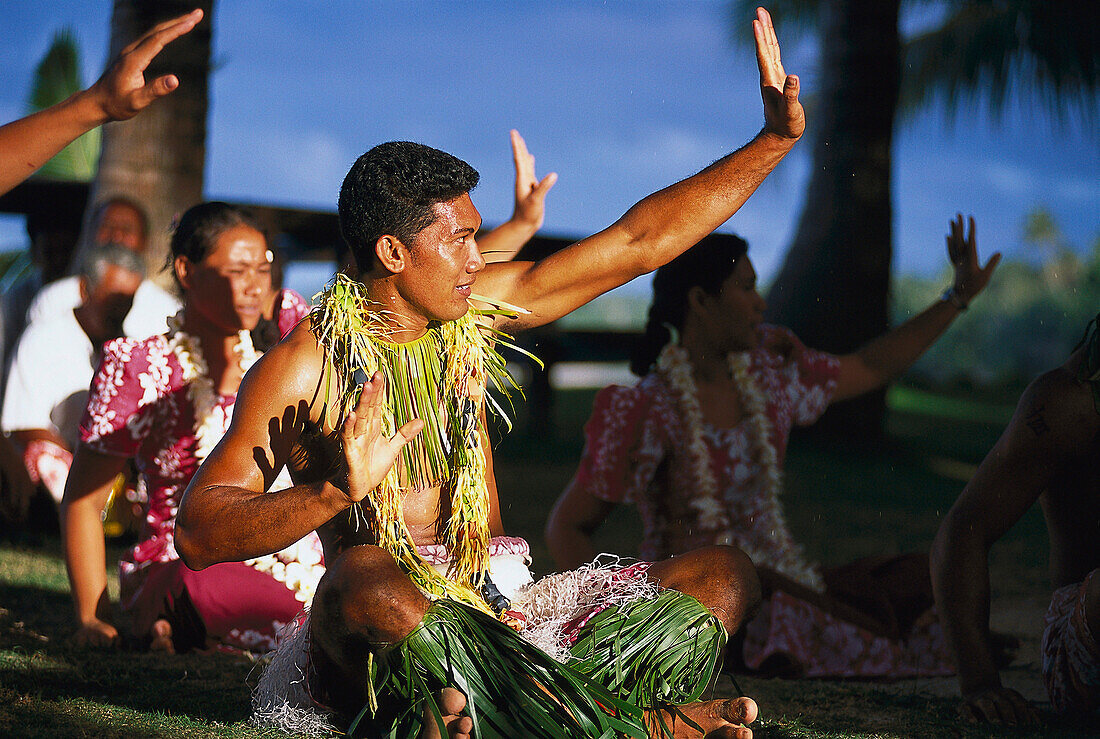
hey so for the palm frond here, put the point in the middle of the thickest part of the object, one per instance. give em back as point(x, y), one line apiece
point(656, 652)
point(512, 689)
point(984, 50)
point(514, 310)
point(57, 77)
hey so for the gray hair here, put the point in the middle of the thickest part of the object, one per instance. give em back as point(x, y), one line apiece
point(96, 260)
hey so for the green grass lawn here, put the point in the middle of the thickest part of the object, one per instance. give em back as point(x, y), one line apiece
point(840, 506)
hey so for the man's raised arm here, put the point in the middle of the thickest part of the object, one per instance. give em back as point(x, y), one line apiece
point(668, 222)
point(120, 94)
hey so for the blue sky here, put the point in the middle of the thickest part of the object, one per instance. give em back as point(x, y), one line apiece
point(620, 98)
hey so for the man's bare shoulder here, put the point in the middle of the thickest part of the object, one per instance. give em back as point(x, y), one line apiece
point(1053, 426)
point(1058, 405)
point(289, 372)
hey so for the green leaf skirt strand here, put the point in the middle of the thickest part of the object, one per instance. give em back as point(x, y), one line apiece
point(655, 653)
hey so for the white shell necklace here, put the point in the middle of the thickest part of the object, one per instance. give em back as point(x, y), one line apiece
point(674, 365)
point(298, 566)
point(211, 419)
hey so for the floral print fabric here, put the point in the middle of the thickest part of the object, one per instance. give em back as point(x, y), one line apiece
point(139, 408)
point(1071, 656)
point(635, 453)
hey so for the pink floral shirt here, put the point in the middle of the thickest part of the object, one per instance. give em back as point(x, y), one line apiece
point(636, 451)
point(138, 407)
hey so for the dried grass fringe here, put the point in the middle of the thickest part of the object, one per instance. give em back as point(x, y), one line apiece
point(281, 699)
point(555, 600)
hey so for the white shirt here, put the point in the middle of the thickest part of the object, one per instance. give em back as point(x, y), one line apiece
point(48, 383)
point(147, 317)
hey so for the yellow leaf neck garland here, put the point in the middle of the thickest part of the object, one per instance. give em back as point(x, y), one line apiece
point(439, 378)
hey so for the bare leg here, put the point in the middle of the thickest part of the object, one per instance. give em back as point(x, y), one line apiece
point(364, 603)
point(724, 580)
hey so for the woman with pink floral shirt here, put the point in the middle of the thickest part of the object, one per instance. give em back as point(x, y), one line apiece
point(164, 402)
point(698, 446)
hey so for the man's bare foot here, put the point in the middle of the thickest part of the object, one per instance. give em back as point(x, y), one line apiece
point(162, 637)
point(720, 719)
point(452, 703)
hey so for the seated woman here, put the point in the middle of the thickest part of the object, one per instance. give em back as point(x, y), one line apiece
point(698, 445)
point(165, 401)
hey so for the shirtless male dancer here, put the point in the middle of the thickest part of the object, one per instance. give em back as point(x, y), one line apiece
point(419, 268)
point(1048, 454)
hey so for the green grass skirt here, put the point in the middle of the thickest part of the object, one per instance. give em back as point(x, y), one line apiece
point(650, 653)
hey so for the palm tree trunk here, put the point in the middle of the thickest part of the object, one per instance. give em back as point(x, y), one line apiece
point(157, 158)
point(833, 289)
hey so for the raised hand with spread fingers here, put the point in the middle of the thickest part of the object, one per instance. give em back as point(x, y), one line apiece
point(121, 93)
point(369, 455)
point(962, 249)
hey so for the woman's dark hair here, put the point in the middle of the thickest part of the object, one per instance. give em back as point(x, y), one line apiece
point(200, 226)
point(706, 265)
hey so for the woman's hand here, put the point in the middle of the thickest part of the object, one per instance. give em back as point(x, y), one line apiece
point(530, 206)
point(962, 249)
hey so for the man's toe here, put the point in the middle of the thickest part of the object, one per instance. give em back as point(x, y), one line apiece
point(739, 711)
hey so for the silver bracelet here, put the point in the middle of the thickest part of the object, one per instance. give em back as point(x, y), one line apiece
point(952, 297)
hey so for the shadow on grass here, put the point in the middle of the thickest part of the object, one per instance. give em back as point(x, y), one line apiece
point(41, 674)
point(40, 610)
point(799, 709)
point(35, 717)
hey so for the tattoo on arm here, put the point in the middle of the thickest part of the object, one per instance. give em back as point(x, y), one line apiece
point(1037, 422)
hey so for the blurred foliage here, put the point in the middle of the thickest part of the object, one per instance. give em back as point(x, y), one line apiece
point(985, 48)
point(1027, 321)
point(57, 77)
point(977, 50)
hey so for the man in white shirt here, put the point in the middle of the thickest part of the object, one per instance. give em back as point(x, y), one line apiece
point(55, 359)
point(117, 221)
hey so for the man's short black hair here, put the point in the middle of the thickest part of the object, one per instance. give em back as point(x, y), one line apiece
point(391, 190)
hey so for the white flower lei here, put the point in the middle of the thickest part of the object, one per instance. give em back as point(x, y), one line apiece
point(210, 419)
point(675, 365)
point(299, 565)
